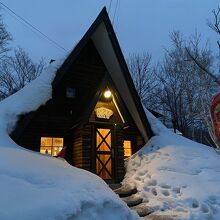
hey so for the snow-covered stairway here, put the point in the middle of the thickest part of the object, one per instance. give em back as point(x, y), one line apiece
point(134, 201)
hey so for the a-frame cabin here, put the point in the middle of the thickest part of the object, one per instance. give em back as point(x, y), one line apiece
point(95, 112)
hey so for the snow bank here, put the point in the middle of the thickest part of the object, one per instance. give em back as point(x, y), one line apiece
point(176, 176)
point(35, 186)
point(28, 99)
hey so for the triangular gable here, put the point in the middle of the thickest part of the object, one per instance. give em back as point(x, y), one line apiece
point(103, 36)
point(114, 102)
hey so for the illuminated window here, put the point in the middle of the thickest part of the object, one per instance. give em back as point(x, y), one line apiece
point(127, 148)
point(51, 145)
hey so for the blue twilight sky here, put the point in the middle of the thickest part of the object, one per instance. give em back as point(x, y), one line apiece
point(141, 25)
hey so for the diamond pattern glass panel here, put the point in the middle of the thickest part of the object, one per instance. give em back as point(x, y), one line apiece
point(103, 153)
point(104, 166)
point(103, 139)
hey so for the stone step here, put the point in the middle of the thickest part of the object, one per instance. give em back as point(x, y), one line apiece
point(142, 209)
point(132, 200)
point(125, 191)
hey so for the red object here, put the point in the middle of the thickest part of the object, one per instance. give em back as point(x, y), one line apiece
point(215, 114)
point(62, 153)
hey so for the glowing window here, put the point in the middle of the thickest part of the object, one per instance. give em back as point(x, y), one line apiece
point(51, 145)
point(127, 148)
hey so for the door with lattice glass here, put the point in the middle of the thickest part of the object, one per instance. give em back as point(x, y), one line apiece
point(104, 162)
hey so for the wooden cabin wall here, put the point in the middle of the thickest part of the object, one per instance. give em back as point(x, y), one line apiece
point(84, 151)
point(84, 76)
point(88, 151)
point(77, 149)
point(44, 126)
point(119, 154)
point(132, 133)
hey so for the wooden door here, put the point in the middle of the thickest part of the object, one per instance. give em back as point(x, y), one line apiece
point(104, 150)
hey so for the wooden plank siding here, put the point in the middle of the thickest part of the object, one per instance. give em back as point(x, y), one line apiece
point(43, 126)
point(119, 154)
point(133, 134)
point(77, 149)
point(88, 149)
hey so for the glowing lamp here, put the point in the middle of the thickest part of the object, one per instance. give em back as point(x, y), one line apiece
point(107, 94)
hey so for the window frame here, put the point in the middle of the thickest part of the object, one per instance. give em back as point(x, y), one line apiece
point(50, 148)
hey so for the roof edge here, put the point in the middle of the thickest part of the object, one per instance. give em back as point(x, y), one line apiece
point(125, 71)
point(78, 47)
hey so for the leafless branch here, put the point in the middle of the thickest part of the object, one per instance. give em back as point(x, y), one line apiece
point(215, 24)
point(203, 68)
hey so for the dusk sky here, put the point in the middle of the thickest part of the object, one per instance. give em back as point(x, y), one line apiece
point(141, 25)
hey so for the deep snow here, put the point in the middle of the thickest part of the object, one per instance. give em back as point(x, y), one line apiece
point(176, 176)
point(35, 186)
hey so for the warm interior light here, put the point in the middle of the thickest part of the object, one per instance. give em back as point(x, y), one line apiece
point(107, 94)
point(51, 145)
point(127, 148)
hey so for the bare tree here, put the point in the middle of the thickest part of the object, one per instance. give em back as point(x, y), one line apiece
point(185, 92)
point(200, 64)
point(5, 39)
point(16, 71)
point(214, 24)
point(143, 76)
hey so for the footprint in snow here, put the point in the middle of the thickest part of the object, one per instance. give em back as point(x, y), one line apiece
point(152, 157)
point(165, 186)
point(195, 203)
point(176, 190)
point(154, 191)
point(146, 200)
point(146, 159)
point(204, 208)
point(138, 178)
point(148, 176)
point(146, 189)
point(165, 192)
point(152, 182)
point(142, 173)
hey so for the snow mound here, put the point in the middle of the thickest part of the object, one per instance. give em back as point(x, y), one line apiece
point(35, 186)
point(176, 176)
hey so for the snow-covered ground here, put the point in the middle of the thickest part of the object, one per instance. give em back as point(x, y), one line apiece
point(39, 187)
point(176, 176)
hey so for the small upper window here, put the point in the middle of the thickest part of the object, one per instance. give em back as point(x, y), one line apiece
point(51, 145)
point(70, 92)
point(127, 148)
